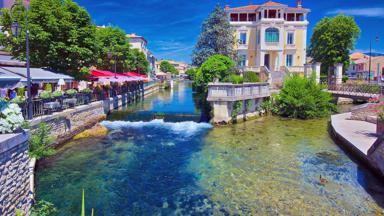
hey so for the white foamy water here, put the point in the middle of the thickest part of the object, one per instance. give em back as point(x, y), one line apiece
point(187, 128)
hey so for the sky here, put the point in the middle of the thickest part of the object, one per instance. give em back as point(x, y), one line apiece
point(172, 27)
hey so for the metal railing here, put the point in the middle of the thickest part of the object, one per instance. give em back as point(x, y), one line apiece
point(358, 90)
point(236, 92)
point(134, 90)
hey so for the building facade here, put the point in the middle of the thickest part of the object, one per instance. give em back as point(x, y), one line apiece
point(140, 43)
point(271, 34)
point(9, 3)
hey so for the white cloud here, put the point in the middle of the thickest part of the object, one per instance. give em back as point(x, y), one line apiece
point(365, 12)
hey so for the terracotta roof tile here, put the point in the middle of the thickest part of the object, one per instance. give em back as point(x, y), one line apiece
point(273, 4)
point(249, 7)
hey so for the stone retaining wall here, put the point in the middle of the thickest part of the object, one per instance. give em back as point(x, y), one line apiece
point(16, 188)
point(70, 122)
point(376, 156)
point(365, 112)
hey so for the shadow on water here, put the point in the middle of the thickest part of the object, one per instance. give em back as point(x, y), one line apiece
point(370, 181)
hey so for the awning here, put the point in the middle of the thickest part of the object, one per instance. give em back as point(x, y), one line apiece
point(108, 76)
point(38, 75)
point(134, 74)
point(9, 80)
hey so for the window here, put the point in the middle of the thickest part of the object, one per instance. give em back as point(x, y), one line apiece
point(242, 60)
point(243, 17)
point(289, 62)
point(234, 17)
point(243, 38)
point(272, 35)
point(290, 38)
point(258, 36)
point(252, 17)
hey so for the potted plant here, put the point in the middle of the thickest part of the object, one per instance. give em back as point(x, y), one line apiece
point(88, 93)
point(45, 96)
point(57, 94)
point(380, 124)
point(71, 93)
point(11, 118)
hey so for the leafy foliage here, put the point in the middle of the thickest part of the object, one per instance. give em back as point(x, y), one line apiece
point(138, 62)
point(57, 94)
point(216, 66)
point(44, 208)
point(39, 142)
point(166, 67)
point(332, 40)
point(237, 106)
point(71, 92)
point(217, 37)
point(45, 95)
point(191, 72)
point(236, 79)
point(303, 98)
point(251, 77)
point(62, 35)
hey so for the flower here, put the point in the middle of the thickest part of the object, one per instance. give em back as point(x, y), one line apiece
point(11, 118)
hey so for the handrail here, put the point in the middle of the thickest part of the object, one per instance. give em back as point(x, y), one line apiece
point(236, 92)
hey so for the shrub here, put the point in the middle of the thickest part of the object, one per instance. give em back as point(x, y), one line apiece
point(39, 142)
point(236, 79)
point(251, 77)
point(57, 94)
point(45, 95)
point(237, 106)
point(71, 92)
point(303, 98)
point(11, 118)
point(345, 79)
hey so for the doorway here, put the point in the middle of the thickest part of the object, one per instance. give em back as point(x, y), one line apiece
point(267, 61)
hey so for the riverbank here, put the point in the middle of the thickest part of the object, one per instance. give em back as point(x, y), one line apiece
point(360, 139)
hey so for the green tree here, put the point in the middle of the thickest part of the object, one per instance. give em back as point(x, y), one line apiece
point(62, 35)
point(39, 142)
point(138, 62)
point(112, 40)
point(166, 67)
point(191, 72)
point(303, 98)
point(217, 37)
point(332, 40)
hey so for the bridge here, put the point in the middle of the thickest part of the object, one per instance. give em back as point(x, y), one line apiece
point(356, 91)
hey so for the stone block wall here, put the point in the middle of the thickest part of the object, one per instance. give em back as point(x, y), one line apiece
point(70, 122)
point(15, 175)
point(365, 112)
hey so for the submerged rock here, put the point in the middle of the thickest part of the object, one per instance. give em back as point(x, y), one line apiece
point(97, 131)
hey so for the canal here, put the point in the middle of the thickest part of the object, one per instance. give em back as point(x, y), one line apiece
point(178, 166)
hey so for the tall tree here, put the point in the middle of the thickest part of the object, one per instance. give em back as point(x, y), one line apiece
point(217, 37)
point(114, 41)
point(333, 39)
point(138, 62)
point(166, 67)
point(62, 35)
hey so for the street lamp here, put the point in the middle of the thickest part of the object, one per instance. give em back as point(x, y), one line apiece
point(370, 59)
point(110, 56)
point(16, 30)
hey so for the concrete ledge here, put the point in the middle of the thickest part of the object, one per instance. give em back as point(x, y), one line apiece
point(9, 141)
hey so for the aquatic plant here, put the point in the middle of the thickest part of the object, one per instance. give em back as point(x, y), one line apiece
point(44, 208)
point(39, 142)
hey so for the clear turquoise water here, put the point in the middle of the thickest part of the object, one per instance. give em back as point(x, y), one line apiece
point(177, 166)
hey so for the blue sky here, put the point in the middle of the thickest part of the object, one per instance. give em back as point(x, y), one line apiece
point(172, 26)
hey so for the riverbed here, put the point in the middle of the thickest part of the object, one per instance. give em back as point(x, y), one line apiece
point(177, 165)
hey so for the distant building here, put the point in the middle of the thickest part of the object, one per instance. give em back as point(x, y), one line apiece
point(180, 66)
point(9, 3)
point(139, 42)
point(273, 35)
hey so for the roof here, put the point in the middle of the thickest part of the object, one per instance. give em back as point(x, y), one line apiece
point(38, 75)
point(7, 60)
point(267, 4)
point(273, 4)
point(356, 56)
point(133, 36)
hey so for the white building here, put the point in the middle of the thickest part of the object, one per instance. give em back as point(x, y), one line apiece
point(140, 43)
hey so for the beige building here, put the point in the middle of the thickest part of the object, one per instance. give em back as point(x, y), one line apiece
point(140, 43)
point(273, 35)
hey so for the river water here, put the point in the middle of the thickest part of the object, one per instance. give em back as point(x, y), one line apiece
point(177, 166)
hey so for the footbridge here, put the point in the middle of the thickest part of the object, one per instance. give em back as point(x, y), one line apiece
point(362, 92)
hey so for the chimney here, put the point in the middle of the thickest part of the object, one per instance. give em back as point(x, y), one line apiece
point(299, 4)
point(226, 7)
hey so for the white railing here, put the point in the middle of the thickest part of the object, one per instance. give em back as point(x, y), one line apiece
point(237, 92)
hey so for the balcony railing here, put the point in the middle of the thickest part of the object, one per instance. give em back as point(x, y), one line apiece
point(237, 92)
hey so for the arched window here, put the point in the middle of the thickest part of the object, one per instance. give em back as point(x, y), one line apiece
point(272, 35)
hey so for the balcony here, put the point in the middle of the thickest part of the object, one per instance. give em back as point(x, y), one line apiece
point(236, 92)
